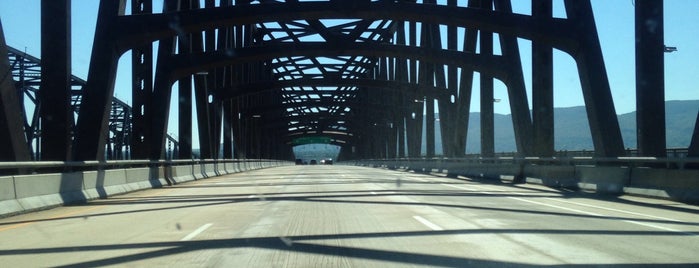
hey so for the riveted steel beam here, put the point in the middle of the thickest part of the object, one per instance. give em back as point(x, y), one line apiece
point(142, 88)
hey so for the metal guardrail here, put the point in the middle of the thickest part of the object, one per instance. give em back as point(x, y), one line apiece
point(29, 167)
point(669, 163)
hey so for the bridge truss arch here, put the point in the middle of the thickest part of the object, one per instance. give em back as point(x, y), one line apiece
point(370, 72)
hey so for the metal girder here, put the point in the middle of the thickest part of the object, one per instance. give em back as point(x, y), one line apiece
point(92, 125)
point(181, 65)
point(516, 91)
point(650, 78)
point(137, 30)
point(27, 70)
point(12, 138)
point(694, 143)
point(604, 125)
point(142, 88)
point(370, 84)
point(542, 87)
point(55, 112)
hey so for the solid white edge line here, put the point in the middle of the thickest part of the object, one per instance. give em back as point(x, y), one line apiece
point(558, 207)
point(454, 186)
point(197, 232)
point(616, 210)
point(428, 223)
point(605, 216)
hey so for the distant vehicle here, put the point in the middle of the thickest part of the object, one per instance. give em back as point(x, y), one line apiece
point(299, 161)
point(328, 161)
point(314, 162)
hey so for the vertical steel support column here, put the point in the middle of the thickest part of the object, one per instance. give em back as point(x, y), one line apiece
point(238, 141)
point(394, 117)
point(184, 130)
point(463, 110)
point(142, 89)
point(92, 127)
point(415, 111)
point(240, 127)
point(604, 125)
point(12, 137)
point(448, 106)
point(694, 143)
point(487, 109)
point(516, 91)
point(227, 42)
point(162, 92)
point(402, 76)
point(392, 99)
point(54, 96)
point(542, 86)
point(426, 77)
point(184, 92)
point(650, 78)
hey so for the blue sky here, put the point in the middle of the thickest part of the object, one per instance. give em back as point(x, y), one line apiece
point(614, 21)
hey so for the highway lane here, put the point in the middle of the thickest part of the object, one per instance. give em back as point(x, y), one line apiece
point(337, 216)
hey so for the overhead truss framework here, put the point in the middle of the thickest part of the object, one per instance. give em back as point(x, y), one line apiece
point(368, 75)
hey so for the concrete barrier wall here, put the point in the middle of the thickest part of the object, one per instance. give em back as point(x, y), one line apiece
point(7, 188)
point(667, 183)
point(24, 193)
point(553, 176)
point(677, 184)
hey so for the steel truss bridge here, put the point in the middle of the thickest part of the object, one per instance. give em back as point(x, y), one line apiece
point(26, 72)
point(363, 75)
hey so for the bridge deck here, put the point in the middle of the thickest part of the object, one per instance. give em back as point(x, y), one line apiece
point(336, 216)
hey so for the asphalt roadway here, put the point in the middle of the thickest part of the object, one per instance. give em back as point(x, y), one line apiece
point(339, 216)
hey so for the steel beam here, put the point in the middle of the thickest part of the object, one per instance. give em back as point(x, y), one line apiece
point(650, 78)
point(162, 93)
point(604, 126)
point(151, 28)
point(426, 76)
point(93, 119)
point(487, 98)
point(542, 86)
point(54, 97)
point(694, 143)
point(142, 88)
point(189, 64)
point(12, 138)
point(516, 91)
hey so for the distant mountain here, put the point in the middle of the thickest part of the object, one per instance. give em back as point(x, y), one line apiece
point(572, 131)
